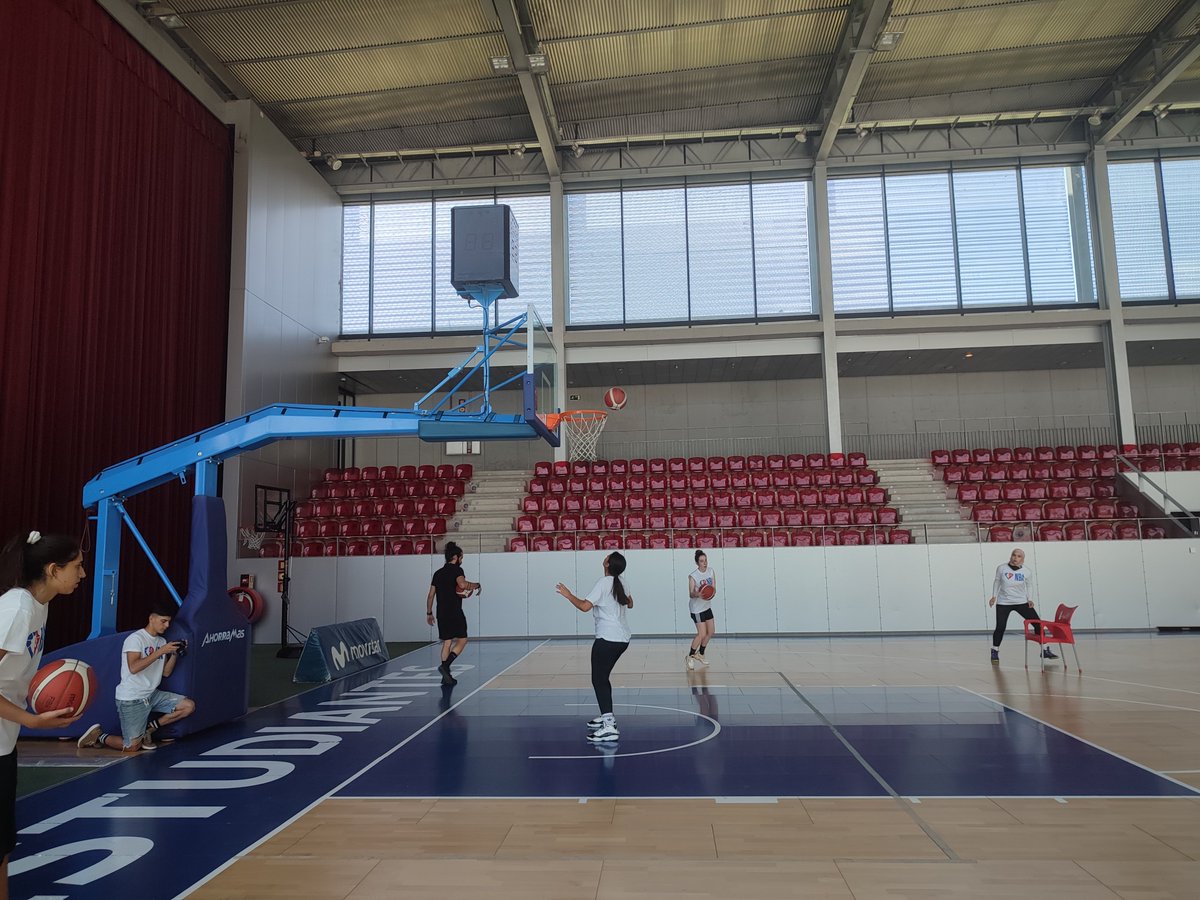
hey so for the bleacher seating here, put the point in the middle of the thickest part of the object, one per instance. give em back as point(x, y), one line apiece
point(1069, 491)
point(797, 500)
point(376, 511)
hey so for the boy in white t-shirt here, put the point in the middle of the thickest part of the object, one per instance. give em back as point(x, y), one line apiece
point(146, 659)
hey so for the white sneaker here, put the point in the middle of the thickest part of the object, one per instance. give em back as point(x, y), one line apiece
point(595, 723)
point(605, 733)
point(691, 662)
point(90, 738)
point(701, 660)
point(148, 742)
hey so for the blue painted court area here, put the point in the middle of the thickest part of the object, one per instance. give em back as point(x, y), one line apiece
point(393, 731)
point(753, 742)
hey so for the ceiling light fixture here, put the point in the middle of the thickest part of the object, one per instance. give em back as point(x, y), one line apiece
point(333, 162)
point(1160, 112)
point(802, 136)
point(577, 150)
point(1094, 119)
point(166, 16)
point(860, 130)
point(968, 354)
point(501, 65)
point(518, 151)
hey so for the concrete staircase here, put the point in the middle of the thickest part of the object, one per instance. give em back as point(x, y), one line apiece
point(484, 521)
point(918, 492)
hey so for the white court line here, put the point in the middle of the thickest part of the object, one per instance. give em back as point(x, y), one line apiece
point(215, 872)
point(1082, 697)
point(1180, 772)
point(716, 730)
point(1022, 712)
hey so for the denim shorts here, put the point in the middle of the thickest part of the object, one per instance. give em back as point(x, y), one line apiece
point(134, 714)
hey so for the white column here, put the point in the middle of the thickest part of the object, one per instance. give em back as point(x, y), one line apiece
point(824, 267)
point(1117, 360)
point(558, 296)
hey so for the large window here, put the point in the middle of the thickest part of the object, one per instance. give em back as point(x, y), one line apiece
point(705, 252)
point(960, 239)
point(396, 266)
point(1156, 222)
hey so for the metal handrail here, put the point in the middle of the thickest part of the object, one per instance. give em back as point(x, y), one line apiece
point(1143, 479)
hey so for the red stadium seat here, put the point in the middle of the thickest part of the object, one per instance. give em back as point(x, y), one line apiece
point(816, 516)
point(564, 542)
point(876, 495)
point(1127, 530)
point(1127, 510)
point(552, 503)
point(804, 478)
point(541, 543)
point(771, 517)
point(900, 536)
point(561, 468)
point(828, 537)
point(1191, 448)
point(1081, 489)
point(703, 519)
point(831, 496)
point(940, 457)
point(1064, 453)
point(1101, 531)
point(568, 522)
point(404, 546)
point(756, 463)
point(1050, 531)
point(729, 539)
point(1023, 454)
point(715, 464)
point(657, 466)
point(635, 521)
point(1104, 509)
point(856, 459)
point(1012, 490)
point(1104, 489)
point(863, 515)
point(682, 540)
point(1062, 470)
point(823, 478)
point(755, 539)
point(705, 540)
point(1153, 532)
point(1043, 454)
point(587, 542)
point(697, 481)
point(1031, 511)
point(1078, 509)
point(981, 456)
point(681, 519)
point(836, 460)
point(570, 503)
point(997, 472)
point(777, 462)
point(840, 515)
point(983, 512)
point(854, 496)
point(518, 545)
point(976, 473)
point(1036, 490)
point(636, 484)
point(803, 537)
point(954, 474)
point(851, 537)
point(960, 457)
point(618, 467)
point(814, 461)
point(991, 492)
point(638, 467)
point(967, 493)
point(612, 542)
point(1000, 534)
point(1002, 455)
point(547, 523)
point(796, 461)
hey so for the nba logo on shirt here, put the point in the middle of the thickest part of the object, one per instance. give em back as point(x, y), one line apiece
point(33, 643)
point(146, 651)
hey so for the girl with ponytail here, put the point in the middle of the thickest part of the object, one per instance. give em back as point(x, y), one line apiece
point(34, 569)
point(607, 602)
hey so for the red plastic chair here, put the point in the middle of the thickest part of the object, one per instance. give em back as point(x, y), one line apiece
point(1056, 632)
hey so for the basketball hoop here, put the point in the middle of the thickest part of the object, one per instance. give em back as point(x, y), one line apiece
point(583, 427)
point(252, 539)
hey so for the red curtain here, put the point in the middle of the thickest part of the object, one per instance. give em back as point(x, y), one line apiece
point(114, 281)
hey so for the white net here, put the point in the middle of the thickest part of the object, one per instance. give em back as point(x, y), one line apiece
point(252, 539)
point(583, 429)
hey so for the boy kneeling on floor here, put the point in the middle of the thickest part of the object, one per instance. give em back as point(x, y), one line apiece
point(146, 659)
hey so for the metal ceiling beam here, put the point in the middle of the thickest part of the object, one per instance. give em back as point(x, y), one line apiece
point(1129, 110)
point(365, 48)
point(543, 126)
point(1179, 22)
point(864, 24)
point(682, 26)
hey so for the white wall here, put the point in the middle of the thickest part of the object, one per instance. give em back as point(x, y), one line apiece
point(1183, 486)
point(284, 294)
point(862, 590)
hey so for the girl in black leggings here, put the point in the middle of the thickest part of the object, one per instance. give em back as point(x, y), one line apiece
point(607, 602)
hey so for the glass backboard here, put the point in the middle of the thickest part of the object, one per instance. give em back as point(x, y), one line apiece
point(540, 385)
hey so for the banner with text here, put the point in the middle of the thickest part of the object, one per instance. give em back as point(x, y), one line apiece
point(334, 651)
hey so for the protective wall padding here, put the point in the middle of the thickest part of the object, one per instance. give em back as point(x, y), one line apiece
point(215, 671)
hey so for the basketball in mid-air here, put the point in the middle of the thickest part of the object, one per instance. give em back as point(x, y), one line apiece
point(707, 592)
point(61, 684)
point(615, 398)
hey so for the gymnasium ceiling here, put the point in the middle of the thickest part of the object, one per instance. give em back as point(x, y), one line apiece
point(367, 80)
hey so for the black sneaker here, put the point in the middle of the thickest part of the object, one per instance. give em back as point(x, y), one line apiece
point(1047, 653)
point(447, 678)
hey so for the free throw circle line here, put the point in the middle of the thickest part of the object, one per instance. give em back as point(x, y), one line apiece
point(708, 737)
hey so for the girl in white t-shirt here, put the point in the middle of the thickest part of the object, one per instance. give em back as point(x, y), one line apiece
point(607, 602)
point(36, 568)
point(701, 610)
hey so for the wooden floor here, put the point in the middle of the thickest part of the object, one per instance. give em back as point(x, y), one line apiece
point(1139, 697)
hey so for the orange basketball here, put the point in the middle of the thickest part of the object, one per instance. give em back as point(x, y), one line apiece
point(61, 684)
point(707, 592)
point(615, 398)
